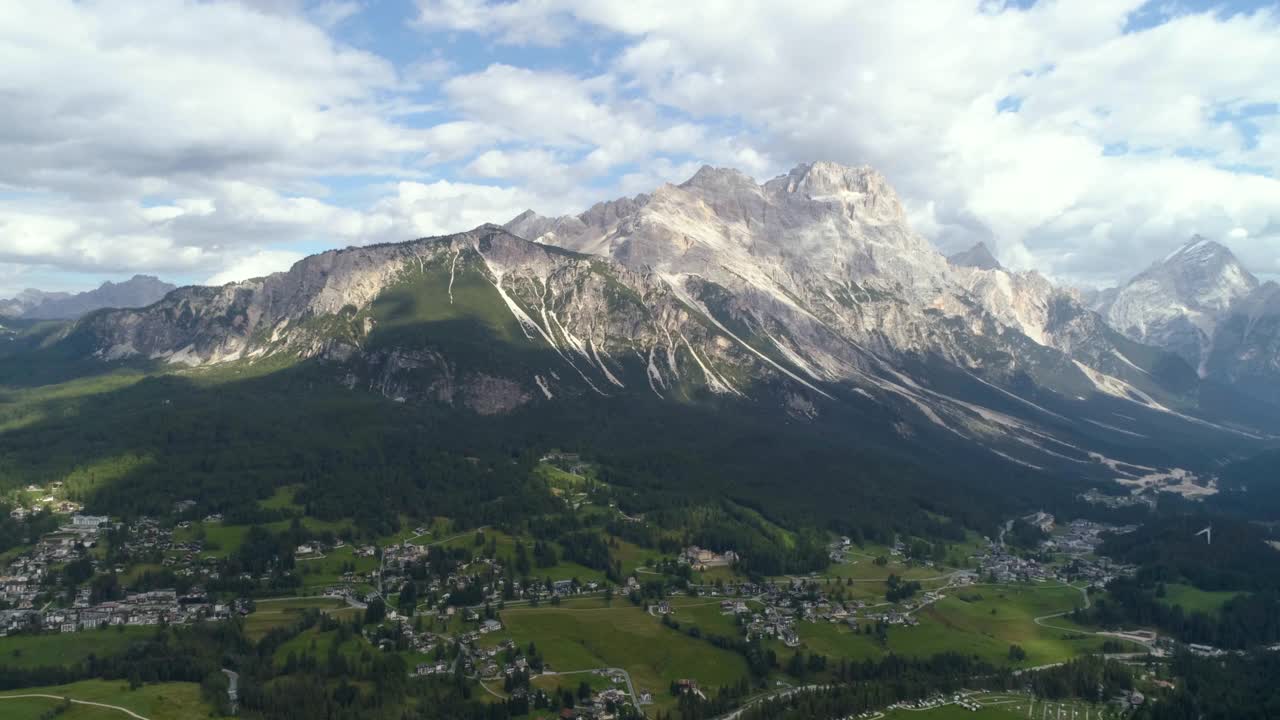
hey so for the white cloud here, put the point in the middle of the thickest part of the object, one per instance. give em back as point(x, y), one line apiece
point(203, 138)
point(522, 22)
point(425, 209)
point(913, 88)
point(257, 264)
point(334, 12)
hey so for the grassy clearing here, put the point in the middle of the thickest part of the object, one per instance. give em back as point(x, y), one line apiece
point(219, 540)
point(633, 556)
point(158, 701)
point(706, 615)
point(282, 499)
point(323, 572)
point(589, 635)
point(505, 550)
point(557, 478)
point(552, 683)
point(317, 644)
point(1192, 598)
point(992, 619)
point(27, 651)
point(224, 540)
point(865, 568)
point(270, 614)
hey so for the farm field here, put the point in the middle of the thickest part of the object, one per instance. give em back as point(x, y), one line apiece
point(222, 540)
point(505, 545)
point(1192, 598)
point(27, 651)
point(317, 644)
point(321, 572)
point(158, 701)
point(589, 635)
point(705, 613)
point(993, 618)
point(278, 613)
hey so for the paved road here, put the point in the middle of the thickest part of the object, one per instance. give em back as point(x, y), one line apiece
point(1041, 621)
point(126, 711)
point(350, 602)
point(767, 696)
point(631, 688)
point(233, 687)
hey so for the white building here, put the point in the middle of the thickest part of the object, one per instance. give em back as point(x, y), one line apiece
point(88, 522)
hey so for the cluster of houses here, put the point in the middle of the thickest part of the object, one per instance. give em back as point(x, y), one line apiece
point(1138, 497)
point(148, 608)
point(42, 498)
point(961, 699)
point(30, 574)
point(1001, 565)
point(22, 581)
point(1078, 541)
point(701, 559)
point(774, 621)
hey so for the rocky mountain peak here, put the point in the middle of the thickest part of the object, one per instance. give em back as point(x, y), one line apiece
point(1178, 302)
point(1203, 274)
point(862, 188)
point(714, 178)
point(978, 256)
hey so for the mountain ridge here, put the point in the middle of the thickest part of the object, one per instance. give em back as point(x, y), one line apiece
point(1201, 303)
point(807, 296)
point(138, 291)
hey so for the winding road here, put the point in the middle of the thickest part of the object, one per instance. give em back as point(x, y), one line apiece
point(73, 701)
point(1150, 645)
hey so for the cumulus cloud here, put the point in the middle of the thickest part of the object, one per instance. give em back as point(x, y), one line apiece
point(1063, 133)
point(259, 263)
point(213, 139)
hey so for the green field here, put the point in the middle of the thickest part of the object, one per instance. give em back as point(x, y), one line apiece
point(317, 644)
point(280, 613)
point(26, 651)
point(994, 618)
point(706, 615)
point(504, 548)
point(865, 568)
point(158, 701)
point(324, 571)
point(282, 499)
point(1192, 598)
point(586, 635)
point(571, 681)
point(222, 540)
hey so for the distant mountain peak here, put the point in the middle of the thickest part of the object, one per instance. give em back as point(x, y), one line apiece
point(715, 177)
point(138, 291)
point(1178, 302)
point(978, 256)
point(1199, 249)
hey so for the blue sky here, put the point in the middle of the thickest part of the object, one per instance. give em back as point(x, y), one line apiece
point(214, 141)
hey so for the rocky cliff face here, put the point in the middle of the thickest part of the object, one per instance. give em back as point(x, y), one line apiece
point(825, 270)
point(1245, 350)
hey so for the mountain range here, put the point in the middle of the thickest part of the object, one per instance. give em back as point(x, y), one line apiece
point(807, 299)
point(1202, 304)
point(138, 291)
